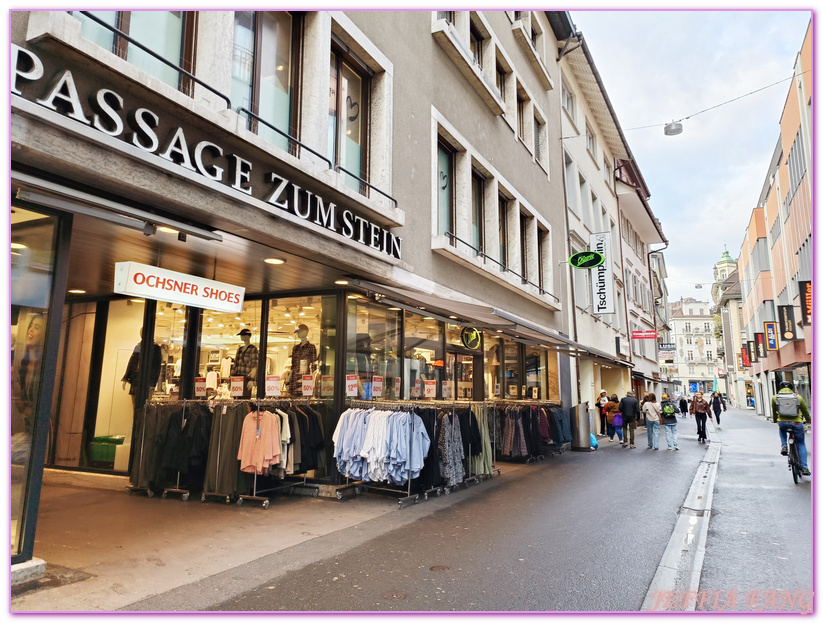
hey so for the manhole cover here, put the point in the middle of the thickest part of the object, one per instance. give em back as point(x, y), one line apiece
point(395, 595)
point(439, 568)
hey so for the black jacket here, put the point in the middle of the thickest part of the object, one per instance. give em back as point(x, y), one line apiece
point(684, 405)
point(672, 419)
point(630, 408)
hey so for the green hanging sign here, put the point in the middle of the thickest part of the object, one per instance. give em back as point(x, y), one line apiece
point(587, 259)
point(470, 338)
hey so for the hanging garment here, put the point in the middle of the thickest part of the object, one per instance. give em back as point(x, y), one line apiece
point(259, 446)
point(450, 443)
point(222, 469)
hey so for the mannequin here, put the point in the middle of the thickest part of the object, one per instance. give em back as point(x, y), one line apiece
point(132, 373)
point(245, 362)
point(303, 359)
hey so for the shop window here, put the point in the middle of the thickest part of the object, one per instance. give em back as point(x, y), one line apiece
point(477, 214)
point(493, 365)
point(536, 373)
point(511, 369)
point(32, 266)
point(169, 338)
point(264, 71)
point(300, 341)
point(424, 358)
point(373, 348)
point(348, 116)
point(169, 34)
point(445, 190)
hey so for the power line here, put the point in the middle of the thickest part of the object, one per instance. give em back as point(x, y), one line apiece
point(657, 125)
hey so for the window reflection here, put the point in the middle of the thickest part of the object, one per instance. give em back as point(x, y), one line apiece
point(373, 343)
point(423, 342)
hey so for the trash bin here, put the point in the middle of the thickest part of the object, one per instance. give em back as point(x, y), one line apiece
point(103, 448)
point(581, 430)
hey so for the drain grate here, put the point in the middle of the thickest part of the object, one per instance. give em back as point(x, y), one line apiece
point(439, 568)
point(394, 595)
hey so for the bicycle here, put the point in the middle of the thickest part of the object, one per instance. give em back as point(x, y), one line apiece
point(794, 458)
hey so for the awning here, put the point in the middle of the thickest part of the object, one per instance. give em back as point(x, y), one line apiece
point(640, 375)
point(483, 317)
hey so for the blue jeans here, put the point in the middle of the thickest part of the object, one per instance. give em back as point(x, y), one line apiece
point(653, 432)
point(799, 438)
point(671, 435)
point(611, 429)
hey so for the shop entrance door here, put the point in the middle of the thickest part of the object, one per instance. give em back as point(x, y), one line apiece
point(464, 375)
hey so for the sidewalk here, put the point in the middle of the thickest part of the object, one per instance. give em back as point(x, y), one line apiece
point(106, 550)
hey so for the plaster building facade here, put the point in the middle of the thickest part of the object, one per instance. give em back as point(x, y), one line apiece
point(736, 378)
point(692, 324)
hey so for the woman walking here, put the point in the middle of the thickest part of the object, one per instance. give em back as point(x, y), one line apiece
point(717, 403)
point(652, 411)
point(612, 408)
point(668, 416)
point(700, 411)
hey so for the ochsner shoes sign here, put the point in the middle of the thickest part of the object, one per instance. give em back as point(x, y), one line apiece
point(602, 278)
point(151, 282)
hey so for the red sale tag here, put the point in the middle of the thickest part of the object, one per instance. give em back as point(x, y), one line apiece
point(431, 389)
point(397, 387)
point(327, 386)
point(273, 386)
point(237, 386)
point(446, 393)
point(200, 386)
point(308, 385)
point(351, 385)
point(377, 387)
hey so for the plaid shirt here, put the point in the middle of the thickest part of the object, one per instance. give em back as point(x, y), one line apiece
point(245, 363)
point(301, 352)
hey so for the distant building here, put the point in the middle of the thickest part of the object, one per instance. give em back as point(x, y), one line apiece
point(692, 324)
point(736, 379)
point(667, 367)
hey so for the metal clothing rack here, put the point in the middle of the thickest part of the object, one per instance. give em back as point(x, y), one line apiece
point(528, 403)
point(212, 402)
point(137, 488)
point(291, 485)
point(184, 493)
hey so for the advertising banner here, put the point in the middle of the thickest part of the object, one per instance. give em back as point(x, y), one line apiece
point(785, 316)
point(602, 278)
point(744, 352)
point(770, 329)
point(666, 352)
point(752, 351)
point(806, 302)
point(760, 345)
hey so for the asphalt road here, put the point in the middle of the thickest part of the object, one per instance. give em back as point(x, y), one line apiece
point(759, 542)
point(582, 531)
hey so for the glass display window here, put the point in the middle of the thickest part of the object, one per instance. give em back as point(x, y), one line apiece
point(372, 348)
point(169, 340)
point(536, 373)
point(300, 347)
point(229, 352)
point(512, 376)
point(32, 273)
point(423, 357)
point(493, 366)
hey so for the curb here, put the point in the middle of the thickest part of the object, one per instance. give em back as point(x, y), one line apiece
point(676, 581)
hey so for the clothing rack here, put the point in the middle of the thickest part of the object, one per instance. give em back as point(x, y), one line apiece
point(184, 493)
point(290, 485)
point(395, 406)
point(212, 402)
point(526, 403)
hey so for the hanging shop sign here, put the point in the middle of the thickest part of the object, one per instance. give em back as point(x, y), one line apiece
point(739, 362)
point(106, 111)
point(644, 335)
point(752, 351)
point(602, 277)
point(770, 329)
point(586, 259)
point(806, 302)
point(760, 345)
point(470, 338)
point(666, 352)
point(621, 345)
point(785, 316)
point(151, 282)
point(744, 352)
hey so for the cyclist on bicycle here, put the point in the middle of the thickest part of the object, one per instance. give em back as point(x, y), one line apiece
point(789, 410)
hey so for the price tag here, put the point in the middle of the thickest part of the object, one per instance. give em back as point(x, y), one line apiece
point(431, 389)
point(236, 386)
point(377, 387)
point(200, 386)
point(327, 385)
point(497, 389)
point(535, 392)
point(308, 385)
point(351, 385)
point(446, 388)
point(418, 384)
point(273, 386)
point(225, 408)
point(397, 387)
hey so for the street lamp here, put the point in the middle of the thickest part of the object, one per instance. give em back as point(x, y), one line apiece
point(673, 128)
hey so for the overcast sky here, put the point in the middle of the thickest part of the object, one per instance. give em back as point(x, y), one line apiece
point(663, 65)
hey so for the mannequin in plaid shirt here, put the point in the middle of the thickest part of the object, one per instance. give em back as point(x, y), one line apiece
point(304, 351)
point(245, 362)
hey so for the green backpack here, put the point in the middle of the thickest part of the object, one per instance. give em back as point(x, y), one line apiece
point(668, 410)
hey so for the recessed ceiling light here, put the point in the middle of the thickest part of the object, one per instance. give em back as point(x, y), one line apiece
point(287, 315)
point(302, 314)
point(159, 313)
point(353, 296)
point(342, 282)
point(220, 325)
point(18, 245)
point(77, 291)
point(453, 317)
point(427, 318)
point(307, 307)
point(209, 319)
point(274, 260)
point(394, 309)
point(137, 300)
point(238, 318)
point(167, 230)
point(500, 330)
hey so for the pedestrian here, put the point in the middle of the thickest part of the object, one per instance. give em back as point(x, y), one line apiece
point(651, 409)
point(612, 408)
point(602, 402)
point(642, 420)
point(668, 416)
point(717, 403)
point(684, 406)
point(630, 410)
point(700, 411)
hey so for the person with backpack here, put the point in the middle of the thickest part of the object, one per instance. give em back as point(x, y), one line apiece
point(717, 402)
point(789, 410)
point(614, 424)
point(652, 410)
point(668, 416)
point(700, 411)
point(629, 408)
point(684, 406)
